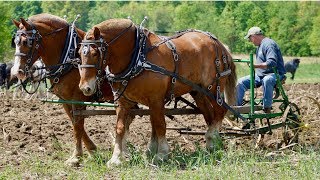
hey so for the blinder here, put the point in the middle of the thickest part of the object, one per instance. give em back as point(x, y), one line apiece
point(35, 36)
point(101, 46)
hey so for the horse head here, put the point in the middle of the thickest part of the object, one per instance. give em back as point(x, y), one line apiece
point(32, 40)
point(26, 41)
point(106, 44)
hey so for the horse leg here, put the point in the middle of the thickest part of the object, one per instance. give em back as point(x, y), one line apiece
point(79, 135)
point(213, 139)
point(90, 146)
point(128, 121)
point(6, 92)
point(159, 126)
point(6, 89)
point(213, 115)
point(153, 145)
point(120, 141)
point(17, 94)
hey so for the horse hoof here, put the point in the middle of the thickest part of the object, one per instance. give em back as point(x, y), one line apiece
point(159, 158)
point(151, 150)
point(149, 153)
point(113, 162)
point(73, 162)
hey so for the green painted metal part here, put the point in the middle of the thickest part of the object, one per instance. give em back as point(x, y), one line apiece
point(251, 84)
point(262, 115)
point(279, 84)
point(60, 101)
point(252, 115)
point(241, 60)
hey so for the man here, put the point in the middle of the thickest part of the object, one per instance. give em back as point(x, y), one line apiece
point(268, 55)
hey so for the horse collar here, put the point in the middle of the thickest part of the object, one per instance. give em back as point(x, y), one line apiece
point(137, 59)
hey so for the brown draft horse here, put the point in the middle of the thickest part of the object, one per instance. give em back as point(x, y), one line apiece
point(48, 42)
point(194, 56)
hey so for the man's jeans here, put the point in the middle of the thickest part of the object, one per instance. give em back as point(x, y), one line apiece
point(268, 82)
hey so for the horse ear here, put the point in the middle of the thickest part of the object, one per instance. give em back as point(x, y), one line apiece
point(16, 23)
point(96, 33)
point(81, 33)
point(25, 23)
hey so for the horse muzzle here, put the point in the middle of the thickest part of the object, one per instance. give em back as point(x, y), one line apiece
point(21, 75)
point(88, 88)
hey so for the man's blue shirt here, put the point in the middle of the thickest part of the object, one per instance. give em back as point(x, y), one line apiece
point(269, 52)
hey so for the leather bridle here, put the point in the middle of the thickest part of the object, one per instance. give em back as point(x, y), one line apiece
point(34, 39)
point(102, 46)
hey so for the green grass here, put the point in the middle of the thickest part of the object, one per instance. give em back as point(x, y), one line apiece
point(199, 164)
point(308, 71)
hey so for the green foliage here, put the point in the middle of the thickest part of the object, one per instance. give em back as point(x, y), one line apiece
point(70, 9)
point(161, 20)
point(102, 11)
point(293, 25)
point(24, 9)
point(313, 40)
point(5, 30)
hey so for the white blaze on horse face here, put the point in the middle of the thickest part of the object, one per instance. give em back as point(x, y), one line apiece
point(17, 60)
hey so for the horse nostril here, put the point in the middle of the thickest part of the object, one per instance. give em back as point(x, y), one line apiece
point(88, 89)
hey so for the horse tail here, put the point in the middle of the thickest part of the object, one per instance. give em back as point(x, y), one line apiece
point(230, 88)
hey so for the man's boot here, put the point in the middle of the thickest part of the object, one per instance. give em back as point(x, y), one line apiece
point(267, 110)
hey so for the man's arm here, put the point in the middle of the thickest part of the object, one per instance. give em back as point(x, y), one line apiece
point(270, 56)
point(261, 65)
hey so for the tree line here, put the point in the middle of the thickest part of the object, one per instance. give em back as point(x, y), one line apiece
point(293, 25)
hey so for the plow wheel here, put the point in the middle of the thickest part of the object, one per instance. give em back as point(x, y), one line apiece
point(302, 123)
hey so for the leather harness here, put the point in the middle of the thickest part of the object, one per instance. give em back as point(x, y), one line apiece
point(139, 63)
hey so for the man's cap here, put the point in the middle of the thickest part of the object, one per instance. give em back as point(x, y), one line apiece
point(252, 31)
